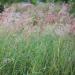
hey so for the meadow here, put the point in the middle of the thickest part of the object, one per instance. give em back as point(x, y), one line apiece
point(37, 40)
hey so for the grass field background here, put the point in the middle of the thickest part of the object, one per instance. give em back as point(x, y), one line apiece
point(37, 55)
point(34, 51)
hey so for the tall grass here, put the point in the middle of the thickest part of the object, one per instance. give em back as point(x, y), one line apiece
point(37, 55)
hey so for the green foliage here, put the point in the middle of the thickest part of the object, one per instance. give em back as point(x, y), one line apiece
point(33, 1)
point(37, 55)
point(72, 10)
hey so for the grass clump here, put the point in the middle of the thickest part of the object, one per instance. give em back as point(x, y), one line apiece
point(42, 55)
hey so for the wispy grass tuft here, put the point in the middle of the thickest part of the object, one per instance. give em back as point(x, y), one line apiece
point(37, 55)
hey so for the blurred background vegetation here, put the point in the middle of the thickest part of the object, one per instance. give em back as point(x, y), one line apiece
point(33, 1)
point(9, 2)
